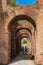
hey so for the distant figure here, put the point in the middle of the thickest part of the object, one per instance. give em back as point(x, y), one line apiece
point(24, 49)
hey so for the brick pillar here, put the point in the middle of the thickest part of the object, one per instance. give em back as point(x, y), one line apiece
point(33, 43)
point(8, 46)
point(39, 38)
point(4, 47)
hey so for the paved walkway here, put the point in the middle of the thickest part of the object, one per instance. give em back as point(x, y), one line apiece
point(22, 59)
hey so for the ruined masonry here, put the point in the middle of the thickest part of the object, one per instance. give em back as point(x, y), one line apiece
point(13, 30)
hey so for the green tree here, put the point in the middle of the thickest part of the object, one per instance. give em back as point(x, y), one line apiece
point(12, 2)
point(24, 41)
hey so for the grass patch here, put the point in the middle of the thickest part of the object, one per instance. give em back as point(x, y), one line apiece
point(34, 63)
point(12, 2)
point(37, 64)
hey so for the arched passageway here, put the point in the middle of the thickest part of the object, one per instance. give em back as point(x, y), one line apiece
point(22, 29)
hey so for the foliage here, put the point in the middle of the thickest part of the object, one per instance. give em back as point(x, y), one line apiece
point(24, 41)
point(12, 2)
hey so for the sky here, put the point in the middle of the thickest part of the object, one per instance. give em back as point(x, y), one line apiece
point(25, 2)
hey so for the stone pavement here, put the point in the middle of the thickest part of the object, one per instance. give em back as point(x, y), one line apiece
point(22, 59)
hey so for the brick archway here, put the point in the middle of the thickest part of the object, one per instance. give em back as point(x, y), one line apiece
point(12, 29)
point(22, 17)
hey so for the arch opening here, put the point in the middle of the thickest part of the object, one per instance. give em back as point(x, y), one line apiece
point(22, 17)
point(22, 32)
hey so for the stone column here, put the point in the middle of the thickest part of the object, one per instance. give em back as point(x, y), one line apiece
point(39, 38)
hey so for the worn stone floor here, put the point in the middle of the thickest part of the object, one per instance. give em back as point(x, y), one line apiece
point(22, 59)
